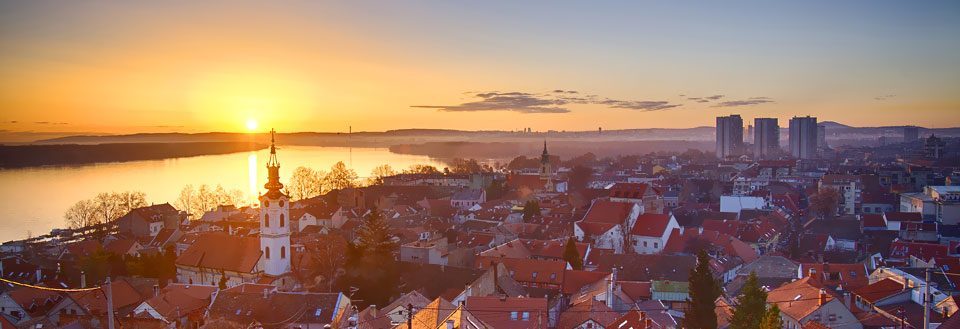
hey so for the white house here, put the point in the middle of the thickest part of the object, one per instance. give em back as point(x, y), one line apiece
point(651, 232)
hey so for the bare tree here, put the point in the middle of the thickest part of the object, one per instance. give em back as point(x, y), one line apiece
point(825, 202)
point(381, 172)
point(82, 214)
point(103, 208)
point(421, 169)
point(305, 183)
point(341, 177)
point(197, 201)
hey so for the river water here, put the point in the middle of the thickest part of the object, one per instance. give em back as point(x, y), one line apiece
point(33, 200)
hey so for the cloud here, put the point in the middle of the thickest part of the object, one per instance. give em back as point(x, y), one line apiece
point(508, 101)
point(884, 97)
point(639, 105)
point(714, 97)
point(745, 102)
point(49, 123)
point(555, 101)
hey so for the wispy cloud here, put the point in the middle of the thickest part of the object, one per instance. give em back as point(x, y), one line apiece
point(49, 123)
point(745, 102)
point(556, 101)
point(884, 97)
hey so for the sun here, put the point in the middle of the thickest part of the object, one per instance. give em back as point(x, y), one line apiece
point(252, 124)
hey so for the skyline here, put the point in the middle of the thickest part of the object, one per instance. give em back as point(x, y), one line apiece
point(184, 67)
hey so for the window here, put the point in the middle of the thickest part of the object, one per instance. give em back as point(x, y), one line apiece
point(266, 251)
point(317, 312)
point(266, 220)
point(283, 252)
point(831, 318)
point(644, 244)
point(534, 274)
point(513, 315)
point(282, 221)
point(553, 276)
point(281, 203)
point(656, 245)
point(526, 316)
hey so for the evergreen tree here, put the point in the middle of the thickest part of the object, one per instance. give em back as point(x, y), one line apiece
point(751, 305)
point(371, 267)
point(530, 209)
point(572, 255)
point(704, 290)
point(771, 319)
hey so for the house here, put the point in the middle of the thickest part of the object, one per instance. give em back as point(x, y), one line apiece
point(326, 214)
point(467, 198)
point(214, 255)
point(181, 305)
point(805, 301)
point(588, 314)
point(395, 310)
point(535, 273)
point(834, 275)
point(600, 235)
point(896, 219)
point(258, 304)
point(641, 194)
point(26, 305)
point(425, 251)
point(510, 312)
point(651, 232)
point(850, 189)
point(148, 221)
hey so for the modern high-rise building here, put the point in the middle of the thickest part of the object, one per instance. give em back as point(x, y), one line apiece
point(911, 134)
point(729, 136)
point(766, 138)
point(803, 137)
point(821, 137)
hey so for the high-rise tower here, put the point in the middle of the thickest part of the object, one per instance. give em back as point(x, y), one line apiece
point(274, 216)
point(766, 139)
point(729, 136)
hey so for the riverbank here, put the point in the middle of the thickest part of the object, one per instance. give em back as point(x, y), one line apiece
point(23, 156)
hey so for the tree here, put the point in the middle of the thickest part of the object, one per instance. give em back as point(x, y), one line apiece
point(381, 172)
point(704, 290)
point(340, 177)
point(771, 318)
point(81, 214)
point(572, 255)
point(579, 177)
point(103, 208)
point(531, 209)
point(825, 202)
point(305, 183)
point(751, 305)
point(463, 166)
point(371, 266)
point(222, 284)
point(421, 169)
point(497, 189)
point(200, 200)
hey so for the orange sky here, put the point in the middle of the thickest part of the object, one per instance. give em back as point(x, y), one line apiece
point(181, 66)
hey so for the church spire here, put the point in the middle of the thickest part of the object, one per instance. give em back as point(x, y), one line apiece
point(545, 157)
point(273, 184)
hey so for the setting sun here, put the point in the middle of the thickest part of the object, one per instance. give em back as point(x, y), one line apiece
point(251, 124)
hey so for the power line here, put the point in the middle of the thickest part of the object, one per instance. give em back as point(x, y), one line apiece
point(48, 288)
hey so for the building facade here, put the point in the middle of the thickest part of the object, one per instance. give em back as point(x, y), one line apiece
point(803, 137)
point(766, 138)
point(729, 136)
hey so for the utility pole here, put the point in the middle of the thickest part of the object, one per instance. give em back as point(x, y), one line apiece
point(109, 292)
point(410, 316)
point(926, 300)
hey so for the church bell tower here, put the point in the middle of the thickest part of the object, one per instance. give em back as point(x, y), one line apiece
point(274, 216)
point(546, 174)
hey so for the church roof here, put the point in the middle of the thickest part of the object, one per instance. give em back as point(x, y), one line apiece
point(223, 252)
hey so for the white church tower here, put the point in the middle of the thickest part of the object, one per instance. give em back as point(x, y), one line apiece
point(274, 217)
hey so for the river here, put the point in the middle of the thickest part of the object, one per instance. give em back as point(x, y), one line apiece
point(33, 200)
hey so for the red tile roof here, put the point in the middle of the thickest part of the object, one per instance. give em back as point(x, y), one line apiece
point(595, 228)
point(923, 251)
point(850, 276)
point(628, 190)
point(606, 211)
point(224, 252)
point(873, 221)
point(573, 280)
point(799, 298)
point(879, 290)
point(903, 216)
point(651, 225)
point(497, 312)
point(580, 313)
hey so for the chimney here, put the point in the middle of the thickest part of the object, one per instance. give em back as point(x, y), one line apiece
point(39, 275)
point(83, 279)
point(265, 293)
point(846, 299)
point(812, 272)
point(613, 281)
point(373, 309)
point(450, 324)
point(156, 290)
point(823, 297)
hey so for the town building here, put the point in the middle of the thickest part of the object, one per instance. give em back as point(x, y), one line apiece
point(803, 137)
point(729, 136)
point(766, 138)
